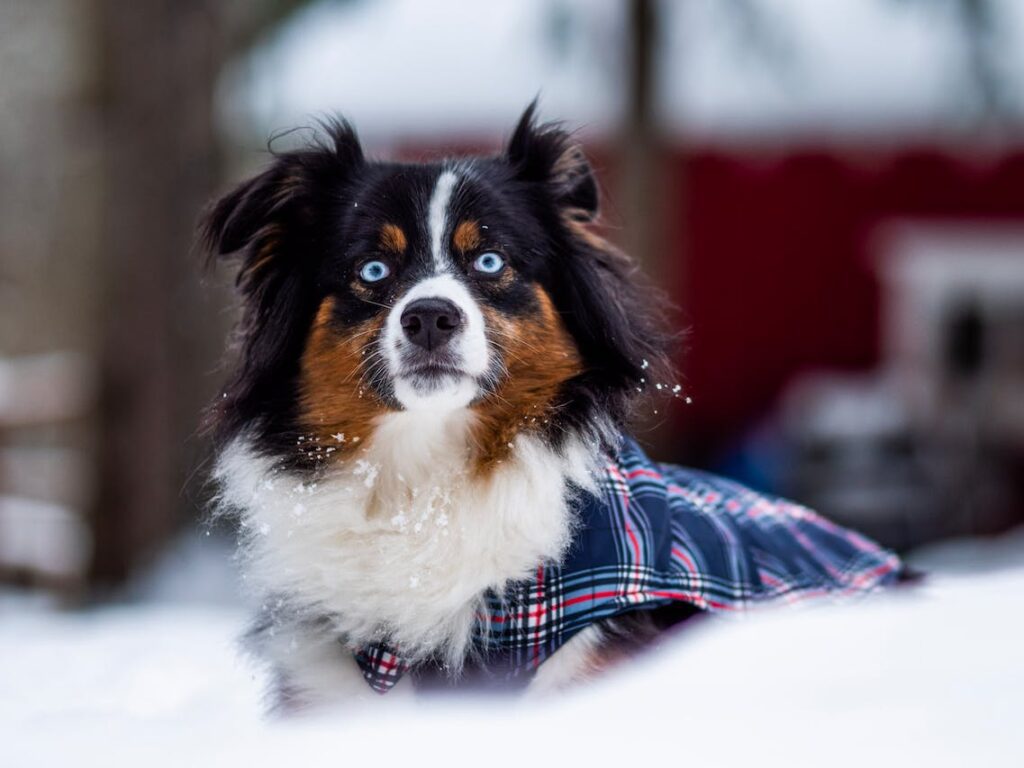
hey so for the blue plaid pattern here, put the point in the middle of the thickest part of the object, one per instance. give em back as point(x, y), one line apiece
point(658, 534)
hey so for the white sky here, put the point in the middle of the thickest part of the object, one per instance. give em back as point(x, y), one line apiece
point(418, 70)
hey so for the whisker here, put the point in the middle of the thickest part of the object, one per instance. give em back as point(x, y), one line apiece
point(362, 333)
point(518, 339)
point(376, 303)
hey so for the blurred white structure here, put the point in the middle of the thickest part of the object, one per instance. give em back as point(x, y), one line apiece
point(929, 444)
point(45, 488)
point(933, 274)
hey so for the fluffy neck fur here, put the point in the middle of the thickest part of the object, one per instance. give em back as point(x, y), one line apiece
point(401, 540)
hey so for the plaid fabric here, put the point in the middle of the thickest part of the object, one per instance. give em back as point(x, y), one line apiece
point(381, 668)
point(654, 535)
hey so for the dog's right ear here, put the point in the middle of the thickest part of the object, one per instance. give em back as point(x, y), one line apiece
point(268, 225)
point(232, 223)
point(253, 222)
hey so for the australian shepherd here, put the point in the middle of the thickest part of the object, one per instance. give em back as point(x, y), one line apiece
point(433, 362)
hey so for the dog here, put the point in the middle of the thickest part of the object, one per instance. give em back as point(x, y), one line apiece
point(425, 434)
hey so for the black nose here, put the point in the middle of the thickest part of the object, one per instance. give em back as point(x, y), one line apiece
point(430, 323)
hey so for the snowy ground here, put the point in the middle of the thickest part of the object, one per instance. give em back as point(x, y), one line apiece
point(930, 678)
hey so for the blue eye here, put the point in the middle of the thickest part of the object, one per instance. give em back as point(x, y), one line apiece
point(374, 271)
point(489, 263)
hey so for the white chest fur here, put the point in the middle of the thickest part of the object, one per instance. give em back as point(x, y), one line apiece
point(400, 537)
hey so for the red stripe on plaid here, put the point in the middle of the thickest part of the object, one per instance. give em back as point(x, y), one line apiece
point(633, 542)
point(685, 558)
point(540, 590)
point(632, 474)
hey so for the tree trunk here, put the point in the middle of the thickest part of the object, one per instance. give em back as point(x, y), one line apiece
point(158, 66)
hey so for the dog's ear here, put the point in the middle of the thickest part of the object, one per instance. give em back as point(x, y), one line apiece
point(618, 320)
point(548, 155)
point(252, 222)
point(269, 224)
point(233, 222)
point(614, 314)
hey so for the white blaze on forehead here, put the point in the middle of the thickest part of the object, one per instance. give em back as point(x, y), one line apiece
point(437, 217)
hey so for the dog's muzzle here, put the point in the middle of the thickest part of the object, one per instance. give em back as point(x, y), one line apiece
point(436, 346)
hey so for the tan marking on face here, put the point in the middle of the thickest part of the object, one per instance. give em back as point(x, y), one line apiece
point(392, 239)
point(467, 236)
point(337, 409)
point(540, 356)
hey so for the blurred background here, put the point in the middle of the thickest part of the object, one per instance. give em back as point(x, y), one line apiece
point(832, 194)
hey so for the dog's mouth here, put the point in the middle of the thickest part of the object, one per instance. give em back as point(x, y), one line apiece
point(434, 380)
point(435, 386)
point(431, 371)
point(430, 367)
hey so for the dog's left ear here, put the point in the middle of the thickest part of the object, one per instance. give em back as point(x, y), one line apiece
point(548, 155)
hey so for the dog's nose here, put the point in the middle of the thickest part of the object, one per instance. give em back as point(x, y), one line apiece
point(430, 323)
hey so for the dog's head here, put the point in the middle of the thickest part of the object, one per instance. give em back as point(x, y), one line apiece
point(475, 283)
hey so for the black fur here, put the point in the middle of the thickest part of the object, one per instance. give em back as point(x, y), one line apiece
point(301, 228)
point(271, 224)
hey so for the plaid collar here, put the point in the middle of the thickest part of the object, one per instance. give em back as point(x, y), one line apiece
point(656, 534)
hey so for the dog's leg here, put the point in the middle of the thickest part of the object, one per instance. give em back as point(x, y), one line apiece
point(604, 645)
point(313, 670)
point(575, 662)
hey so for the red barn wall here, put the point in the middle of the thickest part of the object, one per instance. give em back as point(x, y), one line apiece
point(778, 274)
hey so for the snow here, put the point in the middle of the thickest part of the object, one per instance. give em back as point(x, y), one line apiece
point(929, 676)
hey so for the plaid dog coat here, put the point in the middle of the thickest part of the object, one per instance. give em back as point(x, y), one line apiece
point(654, 535)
